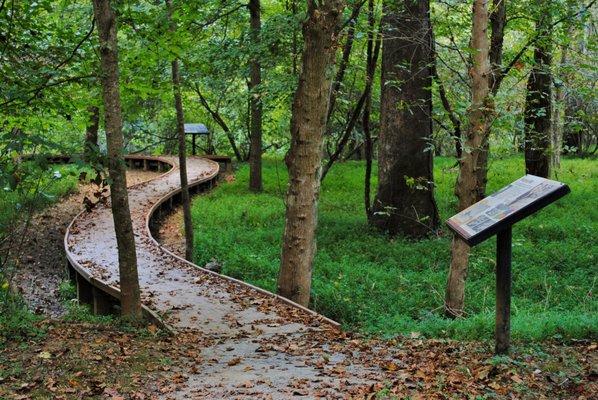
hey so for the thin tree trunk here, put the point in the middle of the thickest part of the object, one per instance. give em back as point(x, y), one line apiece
point(404, 203)
point(538, 102)
point(498, 20)
point(218, 118)
point(294, 40)
point(308, 123)
point(342, 68)
point(255, 138)
point(125, 240)
point(180, 124)
point(90, 146)
point(180, 127)
point(480, 115)
point(457, 133)
point(369, 77)
point(354, 115)
point(558, 114)
point(347, 133)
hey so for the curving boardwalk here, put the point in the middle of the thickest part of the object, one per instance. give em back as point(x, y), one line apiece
point(255, 343)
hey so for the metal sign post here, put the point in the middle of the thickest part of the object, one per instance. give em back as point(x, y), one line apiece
point(502, 329)
point(495, 215)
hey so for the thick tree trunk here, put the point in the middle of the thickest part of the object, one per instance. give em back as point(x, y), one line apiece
point(467, 188)
point(538, 104)
point(404, 203)
point(255, 138)
point(180, 128)
point(90, 147)
point(308, 123)
point(125, 240)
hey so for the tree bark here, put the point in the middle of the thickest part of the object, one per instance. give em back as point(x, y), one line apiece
point(180, 128)
point(467, 187)
point(90, 147)
point(404, 203)
point(308, 123)
point(255, 138)
point(538, 104)
point(125, 240)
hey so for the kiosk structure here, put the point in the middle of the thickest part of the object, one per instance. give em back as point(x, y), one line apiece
point(194, 130)
point(495, 215)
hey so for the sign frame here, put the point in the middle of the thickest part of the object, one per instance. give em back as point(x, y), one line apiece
point(502, 228)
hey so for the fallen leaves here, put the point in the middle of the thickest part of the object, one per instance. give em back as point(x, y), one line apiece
point(234, 361)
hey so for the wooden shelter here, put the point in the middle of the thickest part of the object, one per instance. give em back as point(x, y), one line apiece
point(196, 129)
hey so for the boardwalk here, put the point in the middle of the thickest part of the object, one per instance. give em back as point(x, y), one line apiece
point(255, 343)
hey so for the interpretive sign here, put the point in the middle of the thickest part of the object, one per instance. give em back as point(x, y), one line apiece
point(510, 204)
point(496, 214)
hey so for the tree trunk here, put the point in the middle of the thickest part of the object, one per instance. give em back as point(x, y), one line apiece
point(294, 40)
point(404, 203)
point(480, 116)
point(180, 128)
point(538, 102)
point(558, 124)
point(90, 147)
point(445, 102)
point(125, 240)
point(342, 68)
point(218, 118)
point(308, 123)
point(498, 21)
point(369, 78)
point(255, 138)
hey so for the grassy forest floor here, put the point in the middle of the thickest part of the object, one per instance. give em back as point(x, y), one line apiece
point(380, 285)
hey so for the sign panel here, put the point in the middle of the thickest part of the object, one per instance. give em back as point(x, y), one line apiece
point(505, 207)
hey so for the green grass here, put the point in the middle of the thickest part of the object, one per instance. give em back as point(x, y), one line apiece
point(380, 285)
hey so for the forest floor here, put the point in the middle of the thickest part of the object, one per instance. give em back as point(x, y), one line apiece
point(73, 360)
point(81, 356)
point(387, 286)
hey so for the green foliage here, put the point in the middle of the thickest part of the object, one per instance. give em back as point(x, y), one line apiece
point(390, 286)
point(77, 312)
point(67, 290)
point(17, 323)
point(37, 186)
point(30, 186)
